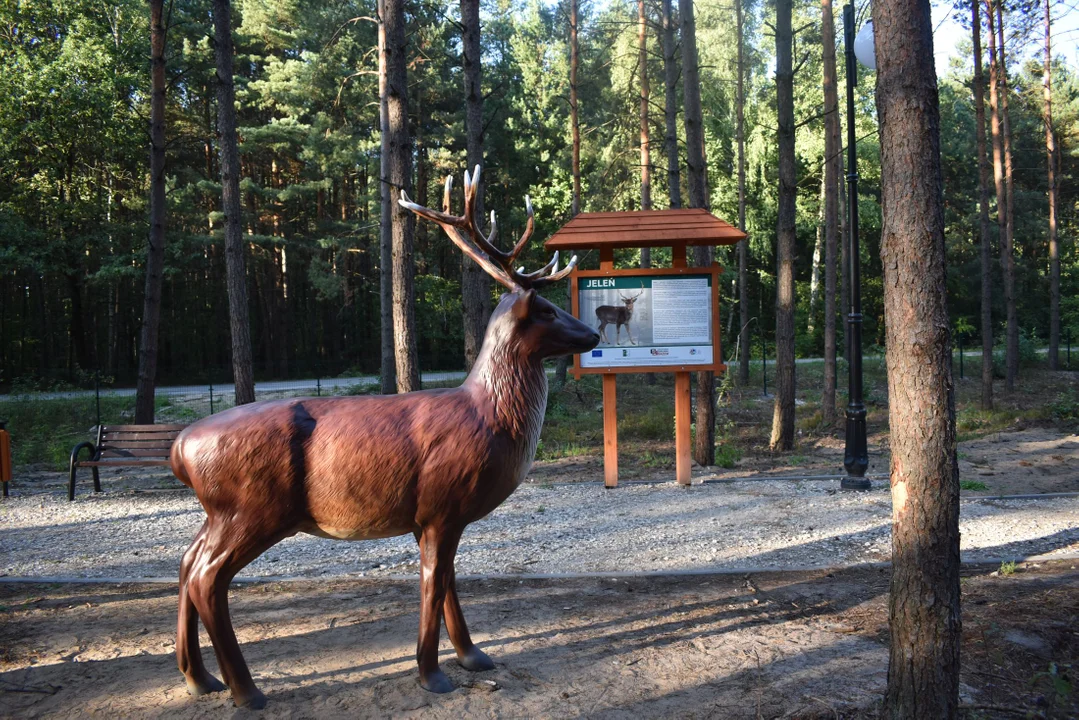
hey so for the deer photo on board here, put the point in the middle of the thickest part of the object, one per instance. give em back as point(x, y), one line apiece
point(617, 316)
point(360, 468)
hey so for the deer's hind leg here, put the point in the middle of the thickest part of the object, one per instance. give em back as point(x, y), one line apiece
point(469, 656)
point(188, 654)
point(229, 546)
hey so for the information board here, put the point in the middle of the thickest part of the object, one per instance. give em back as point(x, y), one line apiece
point(649, 319)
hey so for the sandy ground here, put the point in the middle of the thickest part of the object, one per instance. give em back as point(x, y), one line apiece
point(793, 645)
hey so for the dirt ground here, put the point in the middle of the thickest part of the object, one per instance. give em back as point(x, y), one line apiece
point(790, 645)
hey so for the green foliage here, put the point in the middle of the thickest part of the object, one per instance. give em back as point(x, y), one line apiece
point(73, 175)
point(727, 455)
point(1008, 568)
point(972, 485)
point(1066, 407)
point(44, 428)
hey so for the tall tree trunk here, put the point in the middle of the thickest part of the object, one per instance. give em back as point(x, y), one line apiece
point(670, 115)
point(400, 180)
point(562, 365)
point(1007, 268)
point(1054, 249)
point(1012, 352)
point(646, 156)
point(844, 244)
point(983, 212)
point(388, 374)
point(923, 668)
point(814, 271)
point(783, 414)
point(832, 180)
point(475, 284)
point(155, 250)
point(743, 246)
point(704, 443)
point(574, 117)
point(229, 161)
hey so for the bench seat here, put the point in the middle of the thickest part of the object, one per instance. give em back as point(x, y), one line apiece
point(124, 446)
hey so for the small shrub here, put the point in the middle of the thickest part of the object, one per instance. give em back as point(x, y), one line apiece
point(1066, 407)
point(727, 455)
point(972, 485)
point(1008, 568)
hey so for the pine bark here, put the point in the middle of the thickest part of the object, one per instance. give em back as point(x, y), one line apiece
point(704, 442)
point(388, 373)
point(229, 162)
point(670, 115)
point(783, 413)
point(743, 246)
point(400, 180)
point(1001, 126)
point(645, 147)
point(562, 365)
point(1012, 352)
point(475, 284)
point(985, 235)
point(832, 152)
point(574, 118)
point(923, 670)
point(1054, 249)
point(155, 251)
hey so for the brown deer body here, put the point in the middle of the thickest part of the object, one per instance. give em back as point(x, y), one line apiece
point(357, 468)
point(617, 316)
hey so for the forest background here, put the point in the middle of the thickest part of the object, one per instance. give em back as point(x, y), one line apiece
point(75, 181)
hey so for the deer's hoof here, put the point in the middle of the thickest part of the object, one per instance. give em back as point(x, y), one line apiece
point(475, 660)
point(204, 685)
point(253, 701)
point(436, 682)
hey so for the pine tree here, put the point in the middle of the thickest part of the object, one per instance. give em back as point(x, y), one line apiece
point(783, 415)
point(923, 667)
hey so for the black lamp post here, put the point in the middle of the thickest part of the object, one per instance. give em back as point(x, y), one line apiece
point(855, 454)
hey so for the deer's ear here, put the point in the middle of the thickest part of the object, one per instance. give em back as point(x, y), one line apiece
point(522, 308)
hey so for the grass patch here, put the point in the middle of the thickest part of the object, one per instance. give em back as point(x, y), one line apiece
point(44, 430)
point(972, 485)
point(1008, 568)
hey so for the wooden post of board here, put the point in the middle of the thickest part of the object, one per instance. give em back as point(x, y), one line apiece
point(610, 431)
point(682, 460)
point(610, 402)
point(681, 428)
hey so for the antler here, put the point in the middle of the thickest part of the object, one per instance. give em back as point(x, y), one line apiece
point(464, 231)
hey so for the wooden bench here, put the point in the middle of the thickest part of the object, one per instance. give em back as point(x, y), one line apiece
point(124, 445)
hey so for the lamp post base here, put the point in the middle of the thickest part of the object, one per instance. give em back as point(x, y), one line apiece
point(856, 455)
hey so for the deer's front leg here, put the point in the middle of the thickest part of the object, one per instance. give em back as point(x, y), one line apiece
point(469, 656)
point(437, 548)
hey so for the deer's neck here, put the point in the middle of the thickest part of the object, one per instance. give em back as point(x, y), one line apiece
point(514, 390)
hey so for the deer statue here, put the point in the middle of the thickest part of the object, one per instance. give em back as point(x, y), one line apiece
point(617, 316)
point(359, 468)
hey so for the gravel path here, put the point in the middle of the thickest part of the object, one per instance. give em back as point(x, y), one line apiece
point(539, 530)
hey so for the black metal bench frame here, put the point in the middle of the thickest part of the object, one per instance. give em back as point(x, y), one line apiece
point(123, 445)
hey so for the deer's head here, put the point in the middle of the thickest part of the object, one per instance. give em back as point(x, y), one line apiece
point(628, 301)
point(536, 327)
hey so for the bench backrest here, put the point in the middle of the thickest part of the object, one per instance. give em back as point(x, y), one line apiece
point(137, 441)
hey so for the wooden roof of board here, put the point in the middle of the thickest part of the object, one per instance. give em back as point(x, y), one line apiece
point(644, 228)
